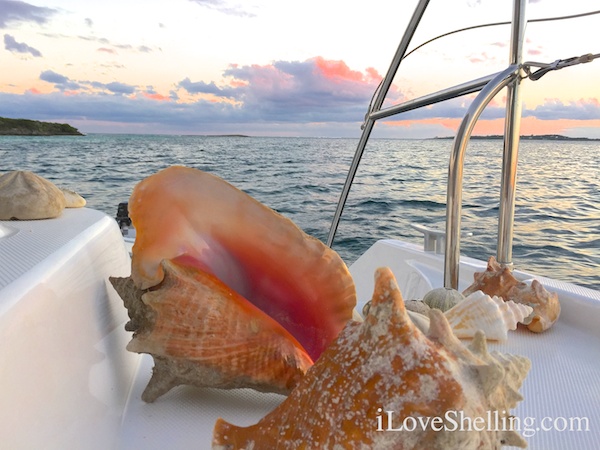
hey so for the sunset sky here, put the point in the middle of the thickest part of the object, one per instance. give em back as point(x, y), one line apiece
point(282, 68)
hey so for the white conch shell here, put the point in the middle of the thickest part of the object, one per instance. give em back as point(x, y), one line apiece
point(492, 315)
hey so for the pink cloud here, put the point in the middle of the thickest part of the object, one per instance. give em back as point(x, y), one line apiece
point(107, 50)
point(155, 96)
point(337, 70)
point(534, 52)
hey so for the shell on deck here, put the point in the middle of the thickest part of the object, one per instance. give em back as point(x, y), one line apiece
point(27, 196)
point(492, 315)
point(495, 280)
point(443, 298)
point(546, 306)
point(193, 216)
point(381, 371)
point(73, 199)
point(227, 293)
point(201, 333)
point(498, 281)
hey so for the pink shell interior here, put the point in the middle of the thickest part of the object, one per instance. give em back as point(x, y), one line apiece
point(198, 219)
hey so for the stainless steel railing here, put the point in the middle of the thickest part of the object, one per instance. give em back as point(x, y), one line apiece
point(487, 87)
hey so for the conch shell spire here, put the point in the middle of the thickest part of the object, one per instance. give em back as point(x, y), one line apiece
point(381, 371)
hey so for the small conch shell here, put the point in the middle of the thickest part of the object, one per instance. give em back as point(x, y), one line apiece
point(492, 315)
point(382, 371)
point(443, 298)
point(495, 281)
point(498, 281)
point(201, 333)
point(546, 307)
point(27, 196)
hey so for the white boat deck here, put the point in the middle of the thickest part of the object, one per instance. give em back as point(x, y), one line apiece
point(69, 383)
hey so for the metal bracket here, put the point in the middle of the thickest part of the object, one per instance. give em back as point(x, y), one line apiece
point(435, 240)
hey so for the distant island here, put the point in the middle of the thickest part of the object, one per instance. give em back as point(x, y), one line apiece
point(225, 135)
point(25, 127)
point(530, 137)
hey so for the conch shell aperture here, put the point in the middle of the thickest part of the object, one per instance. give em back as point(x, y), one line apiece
point(386, 364)
point(201, 228)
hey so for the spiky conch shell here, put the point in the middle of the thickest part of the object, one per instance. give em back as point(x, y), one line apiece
point(495, 280)
point(387, 364)
point(499, 281)
point(201, 333)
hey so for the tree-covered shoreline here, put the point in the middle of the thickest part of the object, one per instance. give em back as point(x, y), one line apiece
point(26, 127)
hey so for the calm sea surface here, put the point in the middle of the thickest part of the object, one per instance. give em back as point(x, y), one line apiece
point(557, 217)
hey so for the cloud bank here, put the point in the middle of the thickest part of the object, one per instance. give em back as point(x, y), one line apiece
point(313, 97)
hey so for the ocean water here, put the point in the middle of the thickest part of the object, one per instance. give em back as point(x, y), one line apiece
point(557, 215)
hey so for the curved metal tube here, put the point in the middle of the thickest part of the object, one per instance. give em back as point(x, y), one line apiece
point(455, 171)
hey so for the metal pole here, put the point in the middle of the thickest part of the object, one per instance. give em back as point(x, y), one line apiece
point(455, 172)
point(368, 126)
point(512, 130)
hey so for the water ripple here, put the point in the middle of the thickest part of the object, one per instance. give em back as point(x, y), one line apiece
point(557, 214)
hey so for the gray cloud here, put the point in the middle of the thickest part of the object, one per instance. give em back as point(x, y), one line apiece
point(12, 45)
point(16, 11)
point(200, 87)
point(120, 88)
point(553, 109)
point(60, 81)
point(65, 83)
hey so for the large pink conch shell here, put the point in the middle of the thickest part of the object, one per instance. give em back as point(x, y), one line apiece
point(201, 333)
point(381, 371)
point(224, 292)
point(198, 218)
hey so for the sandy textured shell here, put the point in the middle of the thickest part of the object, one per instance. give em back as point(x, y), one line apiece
point(496, 280)
point(73, 199)
point(417, 306)
point(443, 298)
point(201, 333)
point(387, 364)
point(492, 315)
point(27, 196)
point(546, 306)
